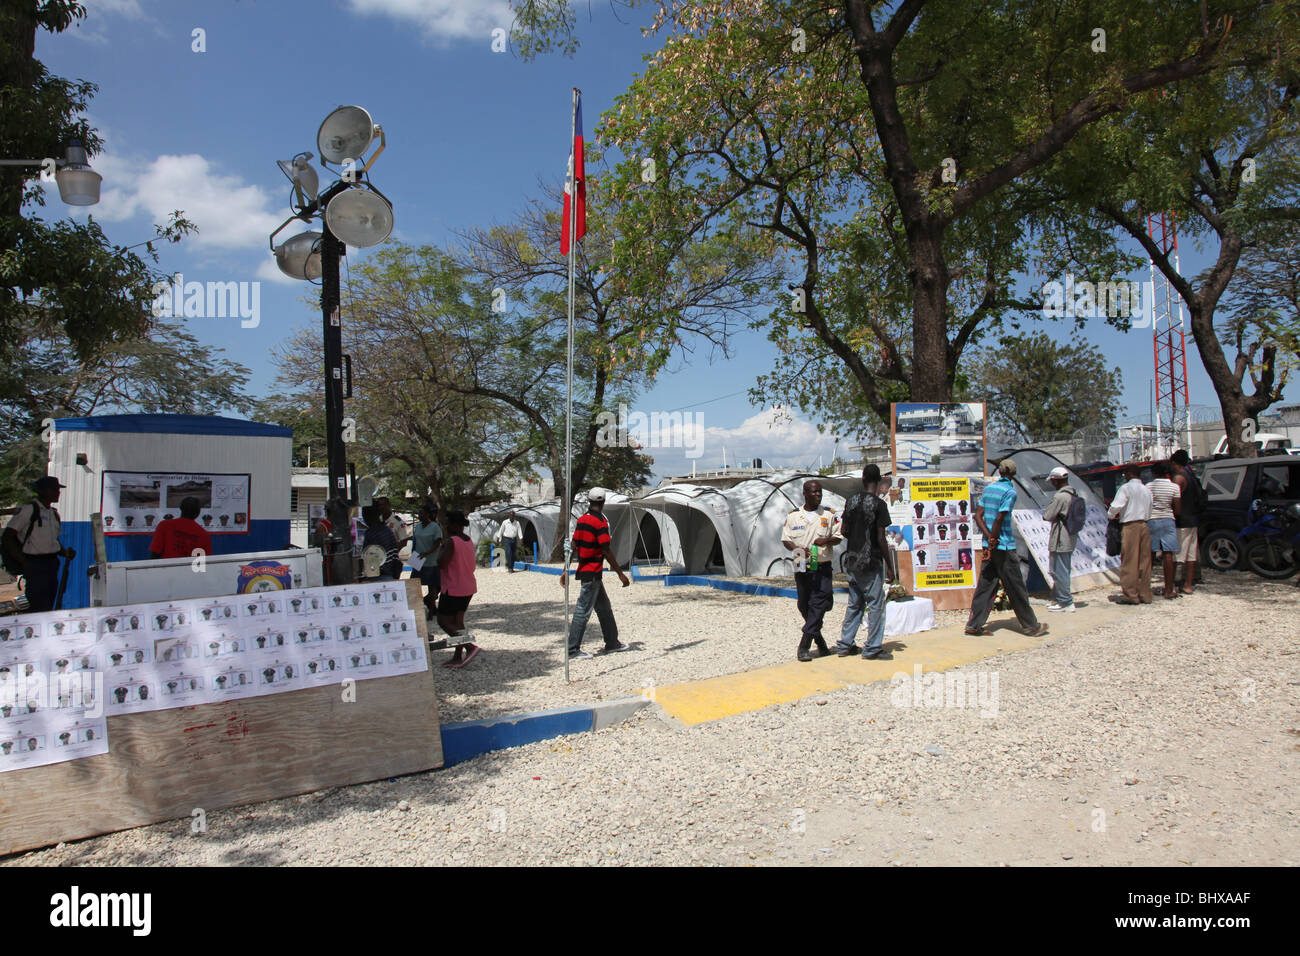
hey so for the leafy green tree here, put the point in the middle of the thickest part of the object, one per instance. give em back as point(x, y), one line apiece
point(64, 271)
point(1040, 390)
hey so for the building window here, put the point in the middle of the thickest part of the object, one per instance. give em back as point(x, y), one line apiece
point(293, 501)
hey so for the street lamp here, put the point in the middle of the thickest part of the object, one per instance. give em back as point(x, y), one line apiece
point(353, 212)
point(78, 183)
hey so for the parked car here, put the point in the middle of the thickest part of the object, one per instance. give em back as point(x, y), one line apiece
point(1267, 443)
point(1231, 484)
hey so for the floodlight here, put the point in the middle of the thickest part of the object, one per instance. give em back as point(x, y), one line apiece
point(78, 183)
point(345, 134)
point(299, 257)
point(305, 180)
point(360, 217)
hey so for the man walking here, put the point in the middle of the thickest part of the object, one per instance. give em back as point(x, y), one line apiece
point(866, 562)
point(1061, 542)
point(1191, 498)
point(591, 547)
point(1131, 506)
point(426, 544)
point(509, 534)
point(1164, 532)
point(1000, 561)
point(812, 532)
point(181, 537)
point(31, 540)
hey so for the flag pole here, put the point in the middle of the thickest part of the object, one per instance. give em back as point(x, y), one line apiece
point(567, 514)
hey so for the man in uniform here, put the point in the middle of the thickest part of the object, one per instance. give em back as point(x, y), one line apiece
point(806, 528)
point(32, 541)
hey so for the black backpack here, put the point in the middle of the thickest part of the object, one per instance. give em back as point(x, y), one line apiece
point(1194, 496)
point(10, 562)
point(1077, 516)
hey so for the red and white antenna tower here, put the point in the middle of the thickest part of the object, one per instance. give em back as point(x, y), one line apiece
point(1173, 409)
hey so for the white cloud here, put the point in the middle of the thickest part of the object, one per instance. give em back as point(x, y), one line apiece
point(125, 8)
point(230, 213)
point(443, 19)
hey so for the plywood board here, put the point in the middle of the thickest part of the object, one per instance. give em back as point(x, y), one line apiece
point(165, 764)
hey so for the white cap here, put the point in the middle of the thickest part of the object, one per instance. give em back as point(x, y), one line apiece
point(1060, 472)
point(596, 494)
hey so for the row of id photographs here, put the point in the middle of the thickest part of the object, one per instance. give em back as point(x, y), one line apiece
point(63, 672)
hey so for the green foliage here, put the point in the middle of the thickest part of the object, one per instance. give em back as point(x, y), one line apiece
point(1041, 390)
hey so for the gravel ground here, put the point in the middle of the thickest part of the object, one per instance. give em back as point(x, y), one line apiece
point(1166, 737)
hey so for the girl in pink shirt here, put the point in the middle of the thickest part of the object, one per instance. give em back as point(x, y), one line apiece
point(456, 563)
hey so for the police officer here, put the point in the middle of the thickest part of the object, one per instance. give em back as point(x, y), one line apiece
point(32, 540)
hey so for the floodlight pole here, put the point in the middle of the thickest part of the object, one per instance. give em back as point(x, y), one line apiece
point(331, 250)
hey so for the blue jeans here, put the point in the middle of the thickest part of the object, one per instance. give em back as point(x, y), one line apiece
point(592, 597)
point(866, 589)
point(1061, 561)
point(510, 544)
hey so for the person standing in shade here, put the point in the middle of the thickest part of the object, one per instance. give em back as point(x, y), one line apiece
point(456, 562)
point(866, 562)
point(591, 548)
point(31, 539)
point(181, 537)
point(1131, 506)
point(812, 532)
point(425, 542)
point(509, 534)
point(378, 533)
point(1191, 501)
point(1165, 505)
point(1001, 563)
point(1060, 543)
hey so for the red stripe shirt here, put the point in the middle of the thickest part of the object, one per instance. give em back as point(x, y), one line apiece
point(589, 538)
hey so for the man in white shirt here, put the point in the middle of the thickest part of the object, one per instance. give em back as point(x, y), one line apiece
point(812, 532)
point(1132, 508)
point(509, 534)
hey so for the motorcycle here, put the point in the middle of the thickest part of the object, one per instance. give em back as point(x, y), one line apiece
point(1271, 542)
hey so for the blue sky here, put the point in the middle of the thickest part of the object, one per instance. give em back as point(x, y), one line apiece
point(469, 133)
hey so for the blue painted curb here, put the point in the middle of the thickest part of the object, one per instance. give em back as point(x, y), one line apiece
point(473, 738)
point(762, 590)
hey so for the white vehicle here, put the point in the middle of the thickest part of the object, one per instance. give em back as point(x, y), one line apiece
point(1264, 441)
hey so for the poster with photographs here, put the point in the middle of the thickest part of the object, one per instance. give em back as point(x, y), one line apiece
point(940, 532)
point(938, 437)
point(134, 502)
point(63, 673)
point(1089, 556)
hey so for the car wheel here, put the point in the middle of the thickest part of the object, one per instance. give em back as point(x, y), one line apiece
point(1221, 550)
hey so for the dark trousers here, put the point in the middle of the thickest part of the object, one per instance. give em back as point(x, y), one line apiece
point(816, 597)
point(42, 577)
point(1001, 566)
point(511, 544)
point(431, 578)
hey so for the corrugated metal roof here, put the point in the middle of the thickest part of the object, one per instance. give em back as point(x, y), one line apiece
point(172, 424)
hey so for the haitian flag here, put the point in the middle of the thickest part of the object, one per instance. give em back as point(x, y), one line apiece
point(578, 176)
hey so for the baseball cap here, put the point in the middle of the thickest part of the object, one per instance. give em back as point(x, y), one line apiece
point(1059, 472)
point(596, 494)
point(49, 482)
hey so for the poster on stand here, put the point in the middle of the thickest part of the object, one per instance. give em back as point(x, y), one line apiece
point(135, 502)
point(943, 537)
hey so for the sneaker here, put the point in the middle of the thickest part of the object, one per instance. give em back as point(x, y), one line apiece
point(1055, 607)
point(1068, 609)
point(842, 651)
point(881, 655)
point(580, 656)
point(617, 648)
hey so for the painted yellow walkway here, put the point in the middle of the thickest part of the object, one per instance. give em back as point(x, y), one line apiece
point(937, 650)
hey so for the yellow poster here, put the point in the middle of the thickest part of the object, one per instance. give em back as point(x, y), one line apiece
point(931, 580)
point(939, 489)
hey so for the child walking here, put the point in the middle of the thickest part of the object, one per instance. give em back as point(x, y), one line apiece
point(456, 564)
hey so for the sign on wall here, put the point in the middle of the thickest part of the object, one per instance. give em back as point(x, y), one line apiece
point(135, 502)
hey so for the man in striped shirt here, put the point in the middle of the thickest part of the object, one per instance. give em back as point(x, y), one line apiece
point(591, 543)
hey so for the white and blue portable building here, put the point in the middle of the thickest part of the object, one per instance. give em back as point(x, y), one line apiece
point(83, 450)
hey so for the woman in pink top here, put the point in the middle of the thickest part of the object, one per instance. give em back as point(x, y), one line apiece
point(456, 564)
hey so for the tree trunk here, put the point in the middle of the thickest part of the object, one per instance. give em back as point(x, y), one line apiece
point(931, 376)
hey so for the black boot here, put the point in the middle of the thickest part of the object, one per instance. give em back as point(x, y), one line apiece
point(803, 654)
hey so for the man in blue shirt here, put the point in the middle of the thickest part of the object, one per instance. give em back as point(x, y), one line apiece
point(1000, 561)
